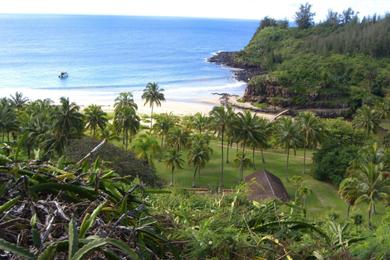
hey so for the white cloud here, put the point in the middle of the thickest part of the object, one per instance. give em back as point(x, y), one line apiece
point(249, 9)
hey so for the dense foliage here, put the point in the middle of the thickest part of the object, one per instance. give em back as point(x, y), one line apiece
point(339, 63)
point(54, 204)
point(340, 147)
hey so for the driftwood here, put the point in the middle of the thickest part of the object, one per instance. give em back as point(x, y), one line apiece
point(280, 114)
point(92, 152)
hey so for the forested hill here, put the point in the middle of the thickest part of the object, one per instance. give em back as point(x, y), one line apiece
point(340, 63)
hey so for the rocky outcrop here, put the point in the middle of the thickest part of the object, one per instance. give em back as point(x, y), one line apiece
point(262, 88)
point(242, 72)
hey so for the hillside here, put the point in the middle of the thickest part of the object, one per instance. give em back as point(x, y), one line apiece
point(327, 66)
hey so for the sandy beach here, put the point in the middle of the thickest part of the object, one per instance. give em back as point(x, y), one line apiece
point(180, 108)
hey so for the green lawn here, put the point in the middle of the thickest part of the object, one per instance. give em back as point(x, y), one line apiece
point(324, 196)
point(322, 202)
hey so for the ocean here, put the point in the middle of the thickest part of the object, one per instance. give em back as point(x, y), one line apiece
point(106, 55)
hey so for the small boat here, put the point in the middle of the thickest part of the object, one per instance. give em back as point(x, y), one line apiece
point(63, 75)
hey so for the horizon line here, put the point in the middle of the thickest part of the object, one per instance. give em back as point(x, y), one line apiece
point(133, 15)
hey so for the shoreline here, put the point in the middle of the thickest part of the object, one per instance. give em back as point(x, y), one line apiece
point(176, 107)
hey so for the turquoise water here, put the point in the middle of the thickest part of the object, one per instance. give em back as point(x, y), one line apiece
point(105, 55)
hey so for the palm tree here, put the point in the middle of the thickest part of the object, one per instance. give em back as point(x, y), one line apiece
point(8, 120)
point(303, 193)
point(370, 181)
point(230, 129)
point(198, 156)
point(125, 99)
point(246, 127)
point(164, 122)
point(174, 160)
point(146, 147)
point(35, 132)
point(127, 122)
point(219, 121)
point(178, 138)
point(109, 133)
point(153, 95)
point(312, 131)
point(242, 162)
point(36, 124)
point(95, 118)
point(261, 138)
point(368, 119)
point(68, 119)
point(348, 192)
point(200, 122)
point(287, 135)
point(68, 123)
point(18, 100)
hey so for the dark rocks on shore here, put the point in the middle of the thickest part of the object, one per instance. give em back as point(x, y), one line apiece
point(242, 72)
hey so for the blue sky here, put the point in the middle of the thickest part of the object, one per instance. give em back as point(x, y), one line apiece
point(244, 9)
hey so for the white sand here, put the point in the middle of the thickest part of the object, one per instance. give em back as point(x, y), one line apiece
point(176, 107)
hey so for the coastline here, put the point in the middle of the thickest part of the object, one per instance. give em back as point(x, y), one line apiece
point(180, 108)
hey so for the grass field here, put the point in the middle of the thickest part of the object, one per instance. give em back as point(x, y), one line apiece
point(322, 201)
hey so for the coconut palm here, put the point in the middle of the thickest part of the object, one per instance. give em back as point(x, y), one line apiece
point(198, 156)
point(8, 120)
point(260, 139)
point(242, 162)
point(35, 132)
point(174, 161)
point(18, 101)
point(370, 180)
point(146, 147)
point(109, 133)
point(230, 129)
point(95, 118)
point(303, 193)
point(164, 122)
point(178, 138)
point(68, 123)
point(153, 95)
point(68, 119)
point(312, 131)
point(348, 192)
point(125, 99)
point(127, 122)
point(200, 122)
point(246, 127)
point(368, 119)
point(287, 135)
point(219, 121)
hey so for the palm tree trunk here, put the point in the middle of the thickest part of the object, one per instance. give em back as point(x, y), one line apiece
point(253, 158)
point(193, 178)
point(348, 210)
point(288, 157)
point(126, 139)
point(172, 176)
point(227, 151)
point(241, 171)
point(221, 184)
point(151, 118)
point(369, 215)
point(304, 158)
point(262, 156)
